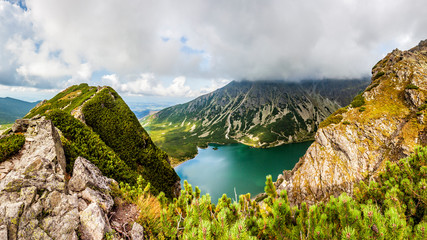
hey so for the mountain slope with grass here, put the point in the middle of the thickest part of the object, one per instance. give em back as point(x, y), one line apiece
point(12, 109)
point(96, 124)
point(384, 123)
point(259, 114)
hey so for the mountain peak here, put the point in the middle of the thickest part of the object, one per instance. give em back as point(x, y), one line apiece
point(97, 124)
point(384, 123)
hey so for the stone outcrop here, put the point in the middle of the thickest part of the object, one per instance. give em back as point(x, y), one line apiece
point(37, 201)
point(387, 127)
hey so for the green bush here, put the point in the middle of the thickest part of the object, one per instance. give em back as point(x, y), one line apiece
point(378, 75)
point(393, 207)
point(422, 107)
point(10, 145)
point(358, 101)
point(333, 119)
point(373, 85)
point(411, 86)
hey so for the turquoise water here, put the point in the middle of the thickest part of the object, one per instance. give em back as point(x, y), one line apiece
point(239, 167)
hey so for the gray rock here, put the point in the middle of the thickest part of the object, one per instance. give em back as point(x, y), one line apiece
point(20, 125)
point(3, 232)
point(86, 174)
point(62, 226)
point(82, 205)
point(105, 201)
point(137, 232)
point(94, 225)
point(414, 98)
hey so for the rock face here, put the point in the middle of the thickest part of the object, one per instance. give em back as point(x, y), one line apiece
point(37, 202)
point(259, 114)
point(386, 127)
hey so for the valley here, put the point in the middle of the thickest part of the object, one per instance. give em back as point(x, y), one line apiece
point(258, 114)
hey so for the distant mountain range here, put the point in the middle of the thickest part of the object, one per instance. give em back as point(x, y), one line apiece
point(12, 109)
point(258, 113)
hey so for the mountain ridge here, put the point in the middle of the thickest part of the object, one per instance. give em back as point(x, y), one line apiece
point(259, 114)
point(98, 125)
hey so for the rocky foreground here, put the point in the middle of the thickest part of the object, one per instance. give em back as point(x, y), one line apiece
point(38, 200)
point(386, 123)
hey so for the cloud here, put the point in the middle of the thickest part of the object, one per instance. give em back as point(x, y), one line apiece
point(148, 85)
point(190, 42)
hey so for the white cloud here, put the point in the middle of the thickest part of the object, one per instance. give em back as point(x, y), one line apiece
point(148, 85)
point(56, 43)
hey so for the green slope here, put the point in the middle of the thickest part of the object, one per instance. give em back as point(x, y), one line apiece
point(111, 137)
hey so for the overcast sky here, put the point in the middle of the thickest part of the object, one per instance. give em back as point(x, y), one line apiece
point(181, 49)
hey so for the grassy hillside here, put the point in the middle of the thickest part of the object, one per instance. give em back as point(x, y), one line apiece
point(12, 109)
point(111, 136)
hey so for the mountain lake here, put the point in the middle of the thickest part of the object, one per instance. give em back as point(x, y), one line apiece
point(238, 168)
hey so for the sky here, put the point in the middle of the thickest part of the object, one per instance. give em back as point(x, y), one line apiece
point(173, 51)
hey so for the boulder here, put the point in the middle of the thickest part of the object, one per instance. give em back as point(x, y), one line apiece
point(86, 174)
point(105, 201)
point(20, 125)
point(137, 232)
point(3, 232)
point(94, 224)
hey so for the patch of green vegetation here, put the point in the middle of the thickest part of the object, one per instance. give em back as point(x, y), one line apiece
point(332, 119)
point(358, 101)
point(80, 140)
point(66, 100)
point(378, 75)
point(109, 116)
point(10, 145)
point(6, 128)
point(373, 85)
point(411, 86)
point(362, 109)
point(340, 111)
point(422, 107)
point(346, 123)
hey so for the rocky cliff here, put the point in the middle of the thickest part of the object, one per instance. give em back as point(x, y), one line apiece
point(37, 201)
point(259, 114)
point(384, 123)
